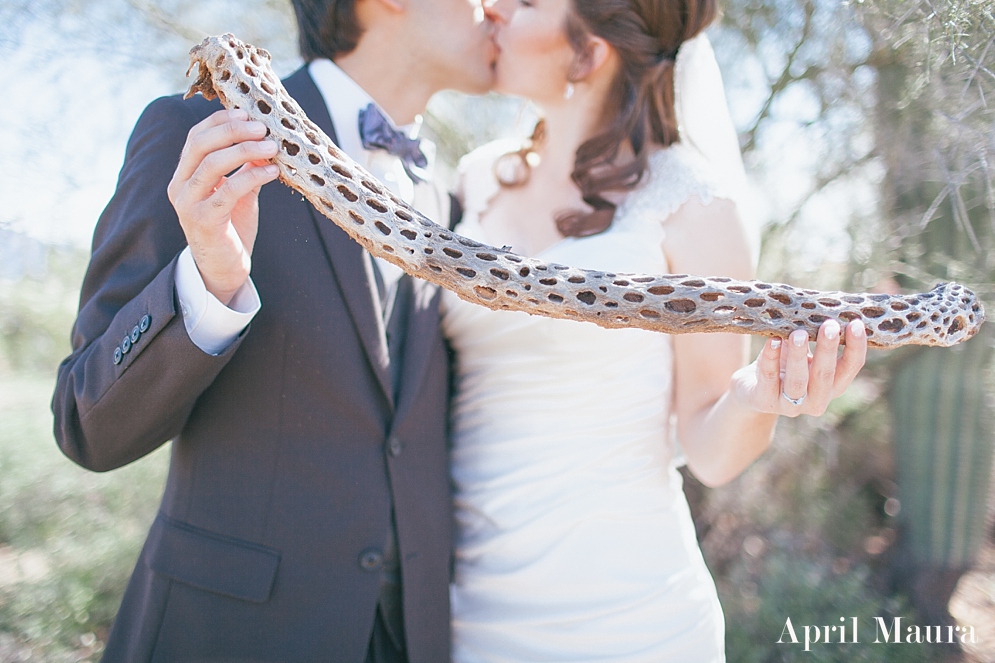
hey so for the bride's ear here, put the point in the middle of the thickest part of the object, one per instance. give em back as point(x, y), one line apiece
point(591, 60)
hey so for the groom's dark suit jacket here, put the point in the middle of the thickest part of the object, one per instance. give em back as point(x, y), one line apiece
point(288, 448)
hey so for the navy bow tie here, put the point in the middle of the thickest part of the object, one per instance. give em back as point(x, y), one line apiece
point(377, 133)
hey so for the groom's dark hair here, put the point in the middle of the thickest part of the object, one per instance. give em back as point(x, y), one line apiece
point(326, 28)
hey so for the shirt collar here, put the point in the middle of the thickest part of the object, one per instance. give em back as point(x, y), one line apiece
point(344, 98)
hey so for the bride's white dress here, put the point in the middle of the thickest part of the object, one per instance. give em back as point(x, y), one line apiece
point(574, 540)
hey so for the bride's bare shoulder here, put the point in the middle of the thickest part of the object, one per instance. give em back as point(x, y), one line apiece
point(708, 238)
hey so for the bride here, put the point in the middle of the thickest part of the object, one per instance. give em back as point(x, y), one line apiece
point(574, 539)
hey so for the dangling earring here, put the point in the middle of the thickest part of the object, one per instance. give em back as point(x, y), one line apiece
point(569, 92)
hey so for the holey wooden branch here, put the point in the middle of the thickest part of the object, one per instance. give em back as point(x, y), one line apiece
point(241, 76)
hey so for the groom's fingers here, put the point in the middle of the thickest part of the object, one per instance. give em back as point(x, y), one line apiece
point(246, 181)
point(209, 140)
point(217, 164)
point(192, 154)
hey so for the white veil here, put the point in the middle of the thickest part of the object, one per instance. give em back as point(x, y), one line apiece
point(705, 124)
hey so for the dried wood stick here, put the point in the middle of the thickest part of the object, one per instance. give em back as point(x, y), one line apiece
point(340, 189)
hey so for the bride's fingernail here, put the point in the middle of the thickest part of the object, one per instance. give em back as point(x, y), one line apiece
point(775, 343)
point(832, 329)
point(857, 327)
point(798, 337)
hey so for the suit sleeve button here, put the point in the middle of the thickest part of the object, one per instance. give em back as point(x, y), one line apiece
point(126, 344)
point(371, 560)
point(145, 323)
point(135, 333)
point(118, 356)
point(394, 446)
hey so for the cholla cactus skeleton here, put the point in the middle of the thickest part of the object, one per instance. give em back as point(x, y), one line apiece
point(240, 75)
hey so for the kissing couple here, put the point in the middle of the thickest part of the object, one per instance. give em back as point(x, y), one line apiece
point(365, 467)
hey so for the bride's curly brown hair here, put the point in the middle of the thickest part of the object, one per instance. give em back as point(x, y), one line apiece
point(639, 113)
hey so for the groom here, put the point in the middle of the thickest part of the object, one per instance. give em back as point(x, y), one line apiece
point(307, 514)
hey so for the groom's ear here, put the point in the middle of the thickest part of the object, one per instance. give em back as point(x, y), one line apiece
point(589, 61)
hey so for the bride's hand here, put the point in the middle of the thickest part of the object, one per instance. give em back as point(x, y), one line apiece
point(789, 380)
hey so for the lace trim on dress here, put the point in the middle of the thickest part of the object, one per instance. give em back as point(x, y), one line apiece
point(675, 175)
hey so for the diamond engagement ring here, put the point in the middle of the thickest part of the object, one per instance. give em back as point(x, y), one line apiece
point(795, 401)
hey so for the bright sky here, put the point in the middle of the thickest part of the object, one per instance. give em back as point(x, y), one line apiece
point(69, 112)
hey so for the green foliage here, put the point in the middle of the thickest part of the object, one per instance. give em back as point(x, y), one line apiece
point(68, 537)
point(37, 309)
point(804, 534)
point(810, 593)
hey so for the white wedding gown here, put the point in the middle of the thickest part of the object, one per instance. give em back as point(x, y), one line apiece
point(574, 540)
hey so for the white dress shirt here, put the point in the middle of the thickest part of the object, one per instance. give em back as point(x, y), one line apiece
point(211, 325)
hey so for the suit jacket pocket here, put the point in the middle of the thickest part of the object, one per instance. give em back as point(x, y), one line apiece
point(209, 561)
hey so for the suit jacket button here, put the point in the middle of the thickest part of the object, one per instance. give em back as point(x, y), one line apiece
point(394, 446)
point(126, 344)
point(145, 323)
point(135, 333)
point(371, 560)
point(118, 356)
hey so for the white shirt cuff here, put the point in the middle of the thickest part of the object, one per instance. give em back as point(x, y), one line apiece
point(211, 325)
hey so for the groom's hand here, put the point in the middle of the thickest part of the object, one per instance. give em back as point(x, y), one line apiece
point(219, 213)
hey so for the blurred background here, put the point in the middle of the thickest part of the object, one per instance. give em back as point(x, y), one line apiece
point(869, 138)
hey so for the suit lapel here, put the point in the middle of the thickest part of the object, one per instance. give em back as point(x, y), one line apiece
point(423, 324)
point(351, 264)
point(422, 335)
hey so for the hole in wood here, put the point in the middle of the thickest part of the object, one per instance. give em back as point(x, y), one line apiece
point(376, 204)
point(892, 325)
point(347, 193)
point(291, 148)
point(681, 305)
